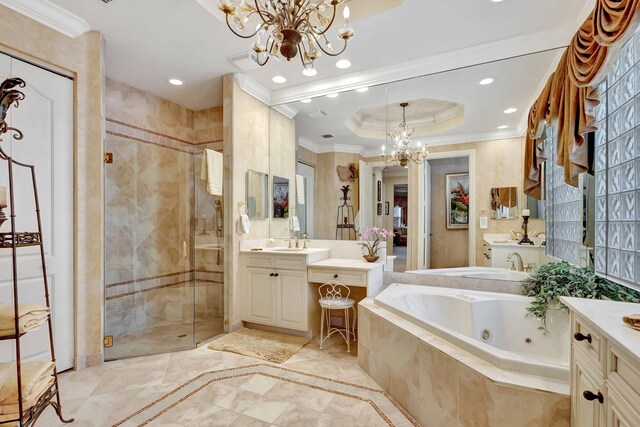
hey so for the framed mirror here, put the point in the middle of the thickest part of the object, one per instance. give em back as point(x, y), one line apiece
point(504, 203)
point(280, 197)
point(257, 194)
point(536, 208)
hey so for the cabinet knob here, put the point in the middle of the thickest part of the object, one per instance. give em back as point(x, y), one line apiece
point(335, 276)
point(277, 275)
point(272, 274)
point(580, 337)
point(591, 396)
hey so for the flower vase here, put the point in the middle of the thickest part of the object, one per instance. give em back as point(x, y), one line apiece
point(371, 258)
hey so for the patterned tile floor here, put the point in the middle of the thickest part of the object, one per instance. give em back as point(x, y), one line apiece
point(205, 388)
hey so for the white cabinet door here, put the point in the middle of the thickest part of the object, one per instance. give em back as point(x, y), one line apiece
point(585, 413)
point(260, 296)
point(46, 119)
point(291, 300)
point(619, 411)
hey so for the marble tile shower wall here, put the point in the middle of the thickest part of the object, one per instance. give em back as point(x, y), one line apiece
point(617, 165)
point(563, 207)
point(151, 204)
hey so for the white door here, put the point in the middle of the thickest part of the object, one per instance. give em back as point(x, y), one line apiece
point(291, 299)
point(365, 215)
point(260, 296)
point(427, 215)
point(45, 117)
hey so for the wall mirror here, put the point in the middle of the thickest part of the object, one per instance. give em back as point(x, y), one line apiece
point(504, 203)
point(257, 194)
point(280, 197)
point(536, 208)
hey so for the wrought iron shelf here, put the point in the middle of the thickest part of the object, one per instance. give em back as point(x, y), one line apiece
point(12, 336)
point(31, 415)
point(346, 226)
point(22, 240)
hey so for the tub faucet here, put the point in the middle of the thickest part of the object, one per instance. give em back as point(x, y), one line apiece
point(518, 259)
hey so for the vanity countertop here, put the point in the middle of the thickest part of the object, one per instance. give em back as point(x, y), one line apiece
point(607, 317)
point(509, 243)
point(353, 264)
point(287, 251)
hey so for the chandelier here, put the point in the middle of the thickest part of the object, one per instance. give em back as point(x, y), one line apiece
point(288, 28)
point(403, 150)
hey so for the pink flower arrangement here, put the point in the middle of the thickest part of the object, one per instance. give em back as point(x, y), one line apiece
point(372, 237)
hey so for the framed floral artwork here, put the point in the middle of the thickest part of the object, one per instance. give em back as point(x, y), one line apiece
point(457, 202)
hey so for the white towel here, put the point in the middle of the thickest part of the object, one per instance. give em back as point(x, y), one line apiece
point(243, 224)
point(294, 224)
point(32, 373)
point(212, 171)
point(300, 189)
point(31, 316)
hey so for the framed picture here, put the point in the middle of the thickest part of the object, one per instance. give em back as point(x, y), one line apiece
point(457, 193)
point(379, 191)
point(386, 208)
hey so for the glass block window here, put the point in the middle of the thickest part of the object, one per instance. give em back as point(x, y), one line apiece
point(617, 166)
point(563, 207)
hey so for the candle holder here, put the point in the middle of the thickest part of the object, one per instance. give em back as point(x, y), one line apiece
point(525, 225)
point(3, 217)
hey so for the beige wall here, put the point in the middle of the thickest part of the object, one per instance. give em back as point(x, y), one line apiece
point(282, 163)
point(80, 58)
point(449, 247)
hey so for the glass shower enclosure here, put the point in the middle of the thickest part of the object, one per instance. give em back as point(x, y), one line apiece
point(164, 249)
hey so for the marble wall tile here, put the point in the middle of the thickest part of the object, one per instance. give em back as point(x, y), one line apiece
point(517, 407)
point(476, 394)
point(438, 376)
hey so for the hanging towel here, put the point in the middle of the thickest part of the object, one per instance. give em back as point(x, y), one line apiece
point(243, 224)
point(32, 374)
point(212, 171)
point(294, 224)
point(31, 316)
point(300, 197)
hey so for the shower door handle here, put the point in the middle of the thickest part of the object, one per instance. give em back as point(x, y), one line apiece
point(184, 249)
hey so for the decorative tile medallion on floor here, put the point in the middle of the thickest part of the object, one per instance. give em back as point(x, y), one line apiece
point(264, 394)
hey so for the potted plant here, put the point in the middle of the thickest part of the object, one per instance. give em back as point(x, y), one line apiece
point(371, 240)
point(554, 280)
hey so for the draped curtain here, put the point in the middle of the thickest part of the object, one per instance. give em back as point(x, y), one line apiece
point(570, 96)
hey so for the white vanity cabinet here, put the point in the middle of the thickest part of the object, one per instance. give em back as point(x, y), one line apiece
point(605, 364)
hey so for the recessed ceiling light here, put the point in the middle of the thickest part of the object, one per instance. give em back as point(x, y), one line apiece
point(306, 101)
point(503, 127)
point(362, 89)
point(343, 64)
point(279, 79)
point(510, 110)
point(176, 82)
point(496, 1)
point(487, 81)
point(333, 95)
point(310, 72)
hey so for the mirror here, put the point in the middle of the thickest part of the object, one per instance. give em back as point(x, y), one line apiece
point(257, 194)
point(504, 203)
point(280, 197)
point(536, 208)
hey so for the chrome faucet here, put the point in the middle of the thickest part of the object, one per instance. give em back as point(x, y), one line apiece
point(305, 236)
point(293, 238)
point(518, 259)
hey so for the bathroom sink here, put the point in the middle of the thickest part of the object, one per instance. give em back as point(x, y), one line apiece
point(288, 249)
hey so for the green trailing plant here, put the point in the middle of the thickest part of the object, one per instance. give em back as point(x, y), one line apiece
point(554, 280)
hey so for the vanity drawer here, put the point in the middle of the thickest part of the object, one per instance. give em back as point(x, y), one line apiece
point(623, 374)
point(261, 261)
point(589, 342)
point(291, 262)
point(348, 277)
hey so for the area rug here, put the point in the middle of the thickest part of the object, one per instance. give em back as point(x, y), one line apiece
point(269, 346)
point(273, 395)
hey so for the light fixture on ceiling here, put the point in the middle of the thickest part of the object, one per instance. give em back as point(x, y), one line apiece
point(176, 82)
point(362, 90)
point(289, 28)
point(306, 101)
point(502, 127)
point(310, 72)
point(333, 95)
point(279, 79)
point(510, 110)
point(487, 81)
point(403, 150)
point(343, 64)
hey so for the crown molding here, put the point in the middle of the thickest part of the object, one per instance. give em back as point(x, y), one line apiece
point(490, 52)
point(251, 87)
point(286, 110)
point(51, 15)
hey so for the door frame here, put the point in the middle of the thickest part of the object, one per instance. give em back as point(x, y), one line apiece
point(471, 155)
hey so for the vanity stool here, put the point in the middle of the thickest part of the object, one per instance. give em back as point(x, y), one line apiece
point(335, 296)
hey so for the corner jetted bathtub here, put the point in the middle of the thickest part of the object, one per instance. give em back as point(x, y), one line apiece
point(489, 273)
point(492, 326)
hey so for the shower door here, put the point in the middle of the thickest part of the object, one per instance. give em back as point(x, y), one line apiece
point(149, 239)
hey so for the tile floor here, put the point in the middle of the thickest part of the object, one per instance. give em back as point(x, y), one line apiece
point(263, 395)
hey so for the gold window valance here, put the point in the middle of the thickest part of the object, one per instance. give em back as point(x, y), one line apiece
point(570, 95)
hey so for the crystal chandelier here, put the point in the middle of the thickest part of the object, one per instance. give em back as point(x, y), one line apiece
point(403, 150)
point(288, 27)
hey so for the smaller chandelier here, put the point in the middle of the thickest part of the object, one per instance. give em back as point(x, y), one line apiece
point(288, 28)
point(403, 150)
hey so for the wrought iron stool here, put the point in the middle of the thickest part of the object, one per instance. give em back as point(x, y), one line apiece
point(335, 296)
